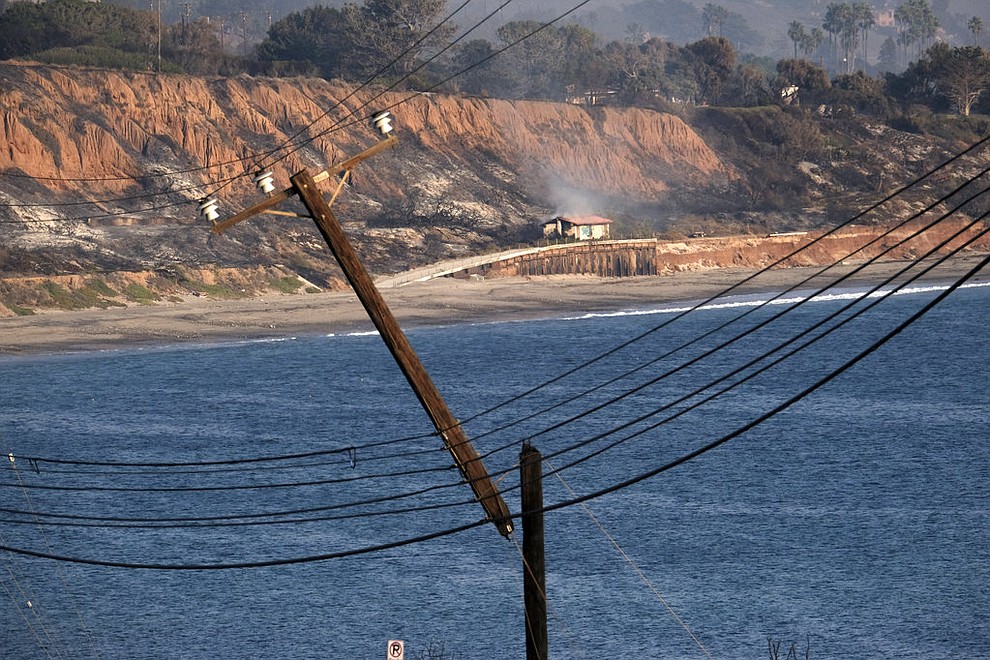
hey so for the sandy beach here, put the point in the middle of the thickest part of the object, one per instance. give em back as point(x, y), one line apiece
point(435, 302)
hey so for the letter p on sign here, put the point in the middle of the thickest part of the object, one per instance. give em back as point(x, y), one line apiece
point(396, 650)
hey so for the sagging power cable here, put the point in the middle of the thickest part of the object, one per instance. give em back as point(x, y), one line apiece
point(883, 236)
point(877, 291)
point(284, 561)
point(732, 288)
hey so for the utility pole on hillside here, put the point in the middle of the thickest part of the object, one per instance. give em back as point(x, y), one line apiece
point(186, 10)
point(159, 5)
point(305, 186)
point(244, 34)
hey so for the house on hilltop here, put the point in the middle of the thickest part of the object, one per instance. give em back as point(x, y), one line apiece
point(584, 228)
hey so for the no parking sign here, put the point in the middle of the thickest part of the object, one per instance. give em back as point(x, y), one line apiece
point(396, 650)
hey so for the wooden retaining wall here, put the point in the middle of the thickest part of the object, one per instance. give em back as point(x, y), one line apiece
point(627, 258)
point(606, 259)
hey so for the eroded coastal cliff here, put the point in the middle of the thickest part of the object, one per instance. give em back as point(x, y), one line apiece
point(100, 172)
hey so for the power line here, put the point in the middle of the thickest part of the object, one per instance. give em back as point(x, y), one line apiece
point(223, 462)
point(252, 564)
point(338, 126)
point(725, 292)
point(821, 382)
point(226, 487)
point(601, 356)
point(846, 366)
point(112, 200)
point(701, 389)
point(878, 239)
point(210, 522)
point(287, 142)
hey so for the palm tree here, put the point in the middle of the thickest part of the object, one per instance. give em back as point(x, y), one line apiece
point(975, 26)
point(796, 33)
point(713, 16)
point(833, 25)
point(813, 43)
point(917, 24)
point(863, 14)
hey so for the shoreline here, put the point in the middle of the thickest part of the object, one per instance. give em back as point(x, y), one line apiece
point(442, 301)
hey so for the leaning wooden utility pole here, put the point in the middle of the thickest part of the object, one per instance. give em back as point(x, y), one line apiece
point(534, 558)
point(466, 458)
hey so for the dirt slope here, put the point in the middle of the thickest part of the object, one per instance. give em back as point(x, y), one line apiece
point(108, 125)
point(100, 172)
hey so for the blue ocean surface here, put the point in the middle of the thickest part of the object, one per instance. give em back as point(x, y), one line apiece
point(290, 499)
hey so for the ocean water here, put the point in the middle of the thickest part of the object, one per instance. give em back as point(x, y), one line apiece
point(854, 523)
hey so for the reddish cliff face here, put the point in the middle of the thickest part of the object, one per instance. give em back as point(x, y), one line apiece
point(100, 172)
point(142, 133)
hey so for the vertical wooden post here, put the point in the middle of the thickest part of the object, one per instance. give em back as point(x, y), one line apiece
point(465, 456)
point(534, 558)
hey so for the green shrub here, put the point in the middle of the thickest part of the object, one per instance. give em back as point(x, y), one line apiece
point(93, 294)
point(223, 291)
point(102, 288)
point(104, 57)
point(61, 297)
point(286, 284)
point(140, 294)
point(18, 310)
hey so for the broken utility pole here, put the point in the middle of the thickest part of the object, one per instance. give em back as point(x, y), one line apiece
point(466, 458)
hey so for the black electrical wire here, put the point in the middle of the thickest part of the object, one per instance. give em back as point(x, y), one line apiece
point(350, 453)
point(288, 141)
point(254, 564)
point(384, 499)
point(726, 291)
point(99, 216)
point(752, 310)
point(101, 522)
point(228, 487)
point(846, 366)
point(751, 363)
point(879, 238)
point(553, 507)
point(230, 461)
